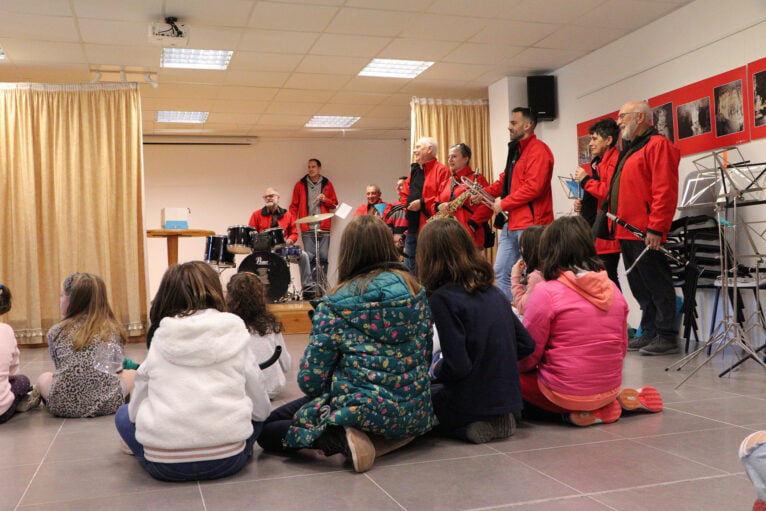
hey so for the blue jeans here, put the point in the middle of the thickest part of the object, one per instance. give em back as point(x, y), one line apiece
point(189, 471)
point(507, 255)
point(410, 248)
point(309, 246)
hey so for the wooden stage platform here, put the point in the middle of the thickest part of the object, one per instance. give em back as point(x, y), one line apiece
point(293, 315)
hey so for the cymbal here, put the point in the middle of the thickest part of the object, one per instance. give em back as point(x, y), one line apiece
point(314, 218)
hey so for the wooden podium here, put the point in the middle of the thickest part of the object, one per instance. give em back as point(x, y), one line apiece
point(172, 236)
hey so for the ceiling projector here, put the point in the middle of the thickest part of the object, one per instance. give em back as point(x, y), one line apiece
point(169, 34)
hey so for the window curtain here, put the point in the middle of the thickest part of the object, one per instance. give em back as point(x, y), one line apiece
point(71, 165)
point(451, 121)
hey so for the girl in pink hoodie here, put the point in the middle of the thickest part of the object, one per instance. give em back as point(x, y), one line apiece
point(578, 319)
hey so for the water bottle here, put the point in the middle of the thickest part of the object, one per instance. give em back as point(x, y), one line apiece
point(107, 358)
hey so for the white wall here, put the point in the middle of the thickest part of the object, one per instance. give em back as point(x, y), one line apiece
point(699, 40)
point(223, 185)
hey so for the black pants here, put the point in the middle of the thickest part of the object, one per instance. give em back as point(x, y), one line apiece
point(278, 422)
point(452, 423)
point(652, 286)
point(611, 261)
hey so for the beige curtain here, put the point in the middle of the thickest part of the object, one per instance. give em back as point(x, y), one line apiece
point(451, 121)
point(71, 165)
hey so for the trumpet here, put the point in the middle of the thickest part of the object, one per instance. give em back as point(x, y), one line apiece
point(475, 188)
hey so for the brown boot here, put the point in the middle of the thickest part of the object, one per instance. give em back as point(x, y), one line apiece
point(385, 445)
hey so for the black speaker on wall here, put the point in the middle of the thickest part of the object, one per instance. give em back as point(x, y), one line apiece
point(541, 95)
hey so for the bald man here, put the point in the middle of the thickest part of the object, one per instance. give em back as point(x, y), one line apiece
point(644, 193)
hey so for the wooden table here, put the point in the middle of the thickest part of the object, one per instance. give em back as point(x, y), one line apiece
point(172, 236)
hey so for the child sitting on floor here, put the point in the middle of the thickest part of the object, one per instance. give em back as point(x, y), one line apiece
point(76, 388)
point(199, 399)
point(246, 298)
point(529, 244)
point(14, 388)
point(481, 338)
point(578, 319)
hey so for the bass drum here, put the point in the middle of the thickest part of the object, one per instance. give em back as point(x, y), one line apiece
point(272, 272)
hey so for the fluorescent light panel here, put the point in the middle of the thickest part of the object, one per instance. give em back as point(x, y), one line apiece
point(177, 116)
point(392, 68)
point(195, 59)
point(331, 121)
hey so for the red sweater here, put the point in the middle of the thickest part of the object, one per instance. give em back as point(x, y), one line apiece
point(477, 213)
point(599, 189)
point(261, 220)
point(364, 208)
point(299, 205)
point(648, 192)
point(530, 201)
point(436, 177)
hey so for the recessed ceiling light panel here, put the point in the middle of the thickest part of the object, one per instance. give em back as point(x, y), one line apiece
point(392, 68)
point(331, 121)
point(177, 116)
point(195, 59)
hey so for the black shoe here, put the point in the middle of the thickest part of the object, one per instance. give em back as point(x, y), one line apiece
point(660, 347)
point(484, 431)
point(639, 342)
point(333, 441)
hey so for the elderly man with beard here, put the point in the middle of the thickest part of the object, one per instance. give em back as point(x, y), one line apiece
point(644, 193)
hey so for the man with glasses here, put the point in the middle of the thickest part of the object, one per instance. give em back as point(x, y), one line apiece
point(272, 216)
point(644, 193)
point(523, 192)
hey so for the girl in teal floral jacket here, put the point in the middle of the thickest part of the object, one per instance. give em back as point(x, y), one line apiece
point(365, 370)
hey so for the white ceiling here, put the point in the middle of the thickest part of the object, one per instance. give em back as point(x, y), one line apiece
point(297, 58)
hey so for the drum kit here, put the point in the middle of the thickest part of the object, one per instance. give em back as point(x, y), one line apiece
point(267, 256)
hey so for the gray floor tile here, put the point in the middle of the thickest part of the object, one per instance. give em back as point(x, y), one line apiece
point(612, 465)
point(187, 498)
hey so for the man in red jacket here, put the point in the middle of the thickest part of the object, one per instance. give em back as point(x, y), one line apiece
point(594, 179)
point(314, 194)
point(373, 199)
point(427, 179)
point(523, 192)
point(644, 193)
point(271, 216)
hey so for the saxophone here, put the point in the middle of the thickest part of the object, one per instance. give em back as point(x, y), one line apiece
point(452, 206)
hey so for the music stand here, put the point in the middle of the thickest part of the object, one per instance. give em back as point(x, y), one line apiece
point(734, 189)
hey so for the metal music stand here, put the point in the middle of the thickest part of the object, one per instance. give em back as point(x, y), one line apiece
point(320, 284)
point(735, 189)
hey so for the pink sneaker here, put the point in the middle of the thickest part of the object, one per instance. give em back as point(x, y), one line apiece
point(603, 415)
point(645, 399)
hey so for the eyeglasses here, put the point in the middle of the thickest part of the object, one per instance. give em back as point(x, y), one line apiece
point(622, 115)
point(270, 196)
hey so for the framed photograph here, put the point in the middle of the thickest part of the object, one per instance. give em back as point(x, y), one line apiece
point(583, 151)
point(693, 118)
point(759, 99)
point(729, 109)
point(662, 118)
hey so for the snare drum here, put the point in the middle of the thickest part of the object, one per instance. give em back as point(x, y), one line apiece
point(292, 254)
point(239, 239)
point(216, 253)
point(277, 237)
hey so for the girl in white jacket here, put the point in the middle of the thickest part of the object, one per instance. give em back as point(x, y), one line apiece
point(246, 298)
point(199, 397)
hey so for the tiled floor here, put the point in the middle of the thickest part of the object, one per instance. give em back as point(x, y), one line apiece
point(683, 458)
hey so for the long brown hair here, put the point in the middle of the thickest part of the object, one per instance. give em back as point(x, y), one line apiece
point(529, 243)
point(185, 289)
point(446, 255)
point(568, 244)
point(246, 297)
point(88, 302)
point(5, 299)
point(367, 249)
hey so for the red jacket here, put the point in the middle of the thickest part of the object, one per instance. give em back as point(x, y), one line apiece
point(648, 192)
point(364, 208)
point(599, 188)
point(261, 220)
point(436, 176)
point(477, 213)
point(299, 207)
point(530, 201)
